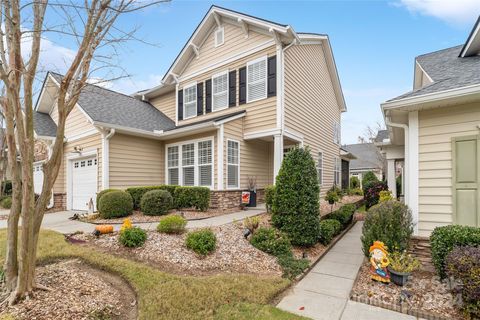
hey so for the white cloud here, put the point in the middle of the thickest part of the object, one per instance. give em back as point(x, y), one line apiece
point(133, 84)
point(459, 12)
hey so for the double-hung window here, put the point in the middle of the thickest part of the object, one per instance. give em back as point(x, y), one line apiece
point(190, 101)
point(220, 91)
point(257, 79)
point(233, 164)
point(205, 166)
point(188, 164)
point(172, 164)
point(320, 168)
point(336, 171)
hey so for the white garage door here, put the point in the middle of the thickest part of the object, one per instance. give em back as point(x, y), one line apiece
point(37, 178)
point(84, 182)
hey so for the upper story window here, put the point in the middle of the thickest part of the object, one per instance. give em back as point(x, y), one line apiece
point(220, 91)
point(257, 79)
point(190, 101)
point(337, 133)
point(219, 36)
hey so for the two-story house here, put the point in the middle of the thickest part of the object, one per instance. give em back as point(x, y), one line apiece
point(241, 92)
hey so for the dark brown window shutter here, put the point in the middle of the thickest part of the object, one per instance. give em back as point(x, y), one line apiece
point(180, 105)
point(199, 99)
point(272, 76)
point(242, 85)
point(208, 96)
point(232, 88)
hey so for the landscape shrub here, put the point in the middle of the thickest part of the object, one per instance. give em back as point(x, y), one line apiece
point(138, 192)
point(463, 264)
point(101, 193)
point(344, 215)
point(115, 204)
point(355, 192)
point(385, 195)
point(133, 237)
point(389, 222)
point(444, 239)
point(251, 223)
point(269, 196)
point(398, 183)
point(6, 203)
point(192, 197)
point(156, 202)
point(367, 178)
point(271, 241)
point(296, 203)
point(354, 183)
point(201, 242)
point(7, 187)
point(291, 266)
point(172, 224)
point(328, 229)
point(371, 192)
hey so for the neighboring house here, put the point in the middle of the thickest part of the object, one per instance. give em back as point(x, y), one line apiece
point(240, 94)
point(435, 129)
point(368, 158)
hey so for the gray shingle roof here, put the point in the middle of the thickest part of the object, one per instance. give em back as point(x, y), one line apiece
point(447, 70)
point(107, 106)
point(44, 125)
point(381, 135)
point(368, 156)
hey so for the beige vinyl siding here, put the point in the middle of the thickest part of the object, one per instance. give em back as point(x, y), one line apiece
point(90, 143)
point(437, 127)
point(234, 43)
point(166, 103)
point(256, 156)
point(77, 123)
point(311, 107)
point(136, 161)
point(261, 114)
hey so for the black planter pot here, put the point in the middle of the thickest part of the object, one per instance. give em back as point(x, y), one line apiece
point(253, 199)
point(331, 202)
point(399, 278)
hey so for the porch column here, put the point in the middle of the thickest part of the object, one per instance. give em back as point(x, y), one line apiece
point(392, 184)
point(277, 154)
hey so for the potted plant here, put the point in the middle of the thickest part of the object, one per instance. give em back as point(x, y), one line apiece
point(332, 197)
point(252, 187)
point(401, 266)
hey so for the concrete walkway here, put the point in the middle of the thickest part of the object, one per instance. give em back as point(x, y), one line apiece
point(323, 294)
point(60, 221)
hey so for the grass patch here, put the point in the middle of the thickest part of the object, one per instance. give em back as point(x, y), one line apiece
point(362, 209)
point(165, 296)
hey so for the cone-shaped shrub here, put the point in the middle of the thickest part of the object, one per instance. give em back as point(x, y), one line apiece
point(296, 202)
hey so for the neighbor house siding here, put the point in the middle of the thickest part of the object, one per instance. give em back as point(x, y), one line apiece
point(166, 103)
point(136, 161)
point(311, 106)
point(256, 156)
point(436, 129)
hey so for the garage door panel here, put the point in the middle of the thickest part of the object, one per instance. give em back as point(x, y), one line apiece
point(84, 182)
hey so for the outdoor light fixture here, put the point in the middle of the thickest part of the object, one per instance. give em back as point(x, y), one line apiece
point(246, 233)
point(78, 149)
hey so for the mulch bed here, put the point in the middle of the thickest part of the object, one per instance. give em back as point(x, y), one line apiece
point(326, 208)
point(424, 294)
point(78, 292)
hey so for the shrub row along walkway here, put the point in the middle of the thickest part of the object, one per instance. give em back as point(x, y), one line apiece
point(324, 292)
point(60, 221)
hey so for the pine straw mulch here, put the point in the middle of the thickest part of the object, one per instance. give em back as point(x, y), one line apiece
point(423, 292)
point(78, 292)
point(326, 208)
point(233, 253)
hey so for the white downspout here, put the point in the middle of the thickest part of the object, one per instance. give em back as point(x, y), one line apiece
point(106, 158)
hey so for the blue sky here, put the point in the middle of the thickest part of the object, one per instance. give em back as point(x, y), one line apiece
point(374, 42)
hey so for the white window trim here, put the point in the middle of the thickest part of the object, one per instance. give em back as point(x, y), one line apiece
point(190, 85)
point(215, 44)
point(180, 156)
point(228, 89)
point(238, 169)
point(321, 168)
point(265, 58)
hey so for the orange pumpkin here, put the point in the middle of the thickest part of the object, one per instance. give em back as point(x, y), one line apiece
point(104, 228)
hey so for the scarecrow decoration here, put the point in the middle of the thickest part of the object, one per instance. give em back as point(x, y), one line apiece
point(379, 262)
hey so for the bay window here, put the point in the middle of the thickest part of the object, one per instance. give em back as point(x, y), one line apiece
point(172, 164)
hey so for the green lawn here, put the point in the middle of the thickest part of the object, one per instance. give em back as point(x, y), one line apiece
point(166, 296)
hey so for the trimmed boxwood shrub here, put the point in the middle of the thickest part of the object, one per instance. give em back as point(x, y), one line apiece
point(201, 242)
point(6, 203)
point(115, 204)
point(269, 195)
point(444, 239)
point(133, 237)
point(463, 264)
point(156, 202)
point(344, 215)
point(7, 187)
point(367, 178)
point(172, 224)
point(101, 193)
point(372, 191)
point(389, 222)
point(354, 183)
point(296, 203)
point(328, 229)
point(138, 192)
point(192, 197)
point(271, 241)
point(291, 266)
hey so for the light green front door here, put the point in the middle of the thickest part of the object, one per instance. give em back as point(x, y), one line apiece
point(466, 171)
